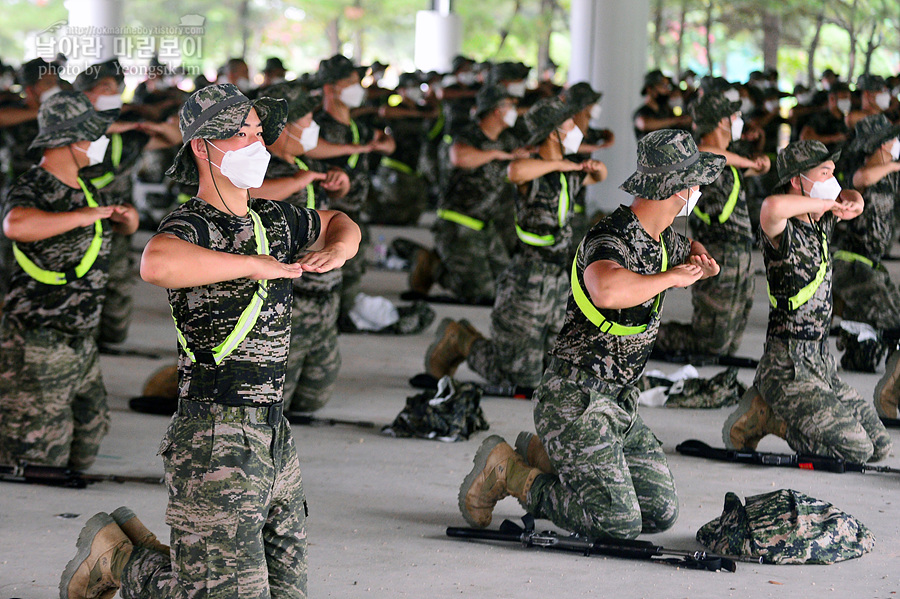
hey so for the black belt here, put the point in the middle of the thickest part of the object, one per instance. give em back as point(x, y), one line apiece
point(270, 415)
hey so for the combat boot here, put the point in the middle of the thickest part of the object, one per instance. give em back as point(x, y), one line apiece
point(887, 391)
point(422, 272)
point(750, 422)
point(451, 346)
point(529, 446)
point(102, 551)
point(137, 533)
point(498, 472)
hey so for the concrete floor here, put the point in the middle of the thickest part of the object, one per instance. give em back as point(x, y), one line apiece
point(379, 506)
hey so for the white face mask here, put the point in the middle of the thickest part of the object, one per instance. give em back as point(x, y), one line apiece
point(737, 127)
point(595, 112)
point(829, 189)
point(49, 93)
point(732, 95)
point(677, 102)
point(746, 105)
point(510, 117)
point(572, 140)
point(414, 94)
point(96, 151)
point(352, 96)
point(243, 84)
point(309, 139)
point(805, 98)
point(245, 168)
point(883, 100)
point(895, 149)
point(690, 203)
point(449, 80)
point(276, 80)
point(6, 81)
point(844, 106)
point(466, 78)
point(109, 102)
point(771, 105)
point(516, 89)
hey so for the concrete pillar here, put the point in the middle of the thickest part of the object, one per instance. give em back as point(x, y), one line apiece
point(95, 25)
point(438, 38)
point(609, 50)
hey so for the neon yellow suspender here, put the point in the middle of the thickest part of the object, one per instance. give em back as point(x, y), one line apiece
point(49, 277)
point(354, 158)
point(115, 142)
point(591, 312)
point(438, 125)
point(391, 163)
point(461, 219)
point(310, 192)
point(853, 257)
point(250, 314)
point(729, 205)
point(562, 211)
point(807, 292)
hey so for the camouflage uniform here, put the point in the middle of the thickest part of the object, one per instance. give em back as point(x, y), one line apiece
point(473, 255)
point(16, 140)
point(236, 504)
point(401, 192)
point(314, 358)
point(797, 375)
point(531, 292)
point(52, 396)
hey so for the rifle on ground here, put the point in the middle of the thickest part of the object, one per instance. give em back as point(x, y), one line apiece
point(309, 420)
point(891, 422)
point(57, 476)
point(699, 449)
point(631, 549)
point(704, 359)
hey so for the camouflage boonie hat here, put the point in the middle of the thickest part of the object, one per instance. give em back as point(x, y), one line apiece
point(800, 156)
point(871, 132)
point(67, 117)
point(488, 98)
point(709, 110)
point(580, 95)
point(334, 69)
point(543, 118)
point(299, 101)
point(786, 527)
point(88, 78)
point(870, 83)
point(508, 71)
point(668, 162)
point(652, 78)
point(218, 112)
point(460, 61)
point(32, 71)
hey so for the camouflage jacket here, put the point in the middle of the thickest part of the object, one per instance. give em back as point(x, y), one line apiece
point(16, 140)
point(475, 192)
point(73, 308)
point(538, 214)
point(736, 230)
point(792, 266)
point(206, 315)
point(871, 233)
point(310, 282)
point(617, 359)
point(339, 133)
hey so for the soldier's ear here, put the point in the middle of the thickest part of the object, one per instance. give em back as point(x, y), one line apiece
point(198, 146)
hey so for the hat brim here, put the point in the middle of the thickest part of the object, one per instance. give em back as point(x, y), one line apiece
point(661, 186)
point(546, 128)
point(272, 113)
point(586, 100)
point(870, 142)
point(807, 165)
point(702, 130)
point(91, 129)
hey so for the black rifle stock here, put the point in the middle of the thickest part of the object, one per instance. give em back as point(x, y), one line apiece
point(56, 476)
point(629, 549)
point(699, 449)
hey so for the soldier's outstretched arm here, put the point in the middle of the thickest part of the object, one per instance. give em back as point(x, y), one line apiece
point(338, 242)
point(777, 209)
point(614, 287)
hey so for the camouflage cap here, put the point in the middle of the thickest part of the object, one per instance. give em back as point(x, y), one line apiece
point(273, 65)
point(580, 96)
point(67, 117)
point(460, 61)
point(218, 112)
point(299, 101)
point(488, 98)
point(508, 71)
point(870, 83)
point(668, 162)
point(786, 527)
point(871, 132)
point(800, 156)
point(543, 118)
point(92, 75)
point(32, 71)
point(709, 110)
point(652, 78)
point(334, 69)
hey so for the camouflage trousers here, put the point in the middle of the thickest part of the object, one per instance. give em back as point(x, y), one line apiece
point(471, 261)
point(115, 317)
point(527, 315)
point(314, 358)
point(52, 399)
point(824, 415)
point(613, 479)
point(236, 509)
point(400, 200)
point(868, 295)
point(353, 269)
point(721, 308)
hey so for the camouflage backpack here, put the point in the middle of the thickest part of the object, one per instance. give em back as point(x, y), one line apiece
point(452, 413)
point(786, 527)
